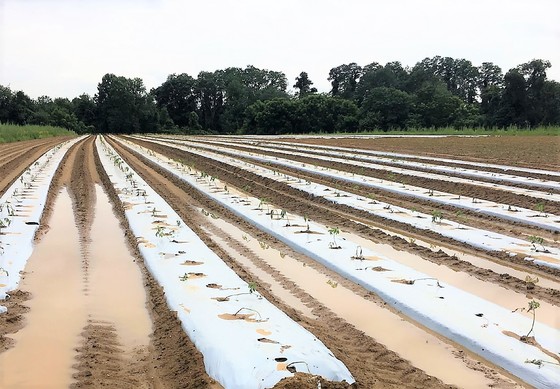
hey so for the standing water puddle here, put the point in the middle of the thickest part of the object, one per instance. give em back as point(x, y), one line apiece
point(45, 348)
point(421, 347)
point(507, 298)
point(117, 292)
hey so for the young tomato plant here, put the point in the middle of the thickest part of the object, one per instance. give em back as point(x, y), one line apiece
point(334, 231)
point(533, 306)
point(437, 216)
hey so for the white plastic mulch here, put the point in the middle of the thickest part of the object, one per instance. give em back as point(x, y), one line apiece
point(246, 341)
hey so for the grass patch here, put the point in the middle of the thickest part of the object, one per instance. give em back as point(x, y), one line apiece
point(509, 131)
point(14, 133)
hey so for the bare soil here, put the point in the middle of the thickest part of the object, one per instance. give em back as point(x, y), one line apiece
point(319, 209)
point(541, 152)
point(385, 368)
point(460, 189)
point(171, 360)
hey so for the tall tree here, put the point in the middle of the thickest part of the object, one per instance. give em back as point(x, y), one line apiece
point(178, 96)
point(304, 85)
point(344, 80)
point(386, 108)
point(513, 105)
point(534, 73)
point(123, 106)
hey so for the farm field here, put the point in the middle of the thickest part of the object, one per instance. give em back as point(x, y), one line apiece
point(241, 262)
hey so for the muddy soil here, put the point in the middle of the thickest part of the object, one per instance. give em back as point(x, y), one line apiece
point(457, 162)
point(464, 190)
point(170, 360)
point(322, 210)
point(386, 369)
point(18, 156)
point(469, 218)
point(541, 152)
point(355, 349)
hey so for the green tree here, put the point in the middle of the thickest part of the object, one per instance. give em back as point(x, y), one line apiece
point(513, 104)
point(123, 106)
point(344, 80)
point(85, 111)
point(436, 106)
point(178, 96)
point(386, 108)
point(303, 85)
point(534, 73)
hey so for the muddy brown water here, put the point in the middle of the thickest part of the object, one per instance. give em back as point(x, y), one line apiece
point(45, 349)
point(421, 348)
point(117, 292)
point(44, 352)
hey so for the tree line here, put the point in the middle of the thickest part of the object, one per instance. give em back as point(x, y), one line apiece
point(437, 92)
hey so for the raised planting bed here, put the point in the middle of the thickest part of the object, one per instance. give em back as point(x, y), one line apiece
point(246, 341)
point(482, 239)
point(538, 219)
point(21, 208)
point(497, 334)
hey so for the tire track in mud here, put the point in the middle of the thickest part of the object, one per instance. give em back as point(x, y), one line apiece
point(465, 190)
point(322, 210)
point(385, 369)
point(101, 358)
point(173, 360)
point(170, 360)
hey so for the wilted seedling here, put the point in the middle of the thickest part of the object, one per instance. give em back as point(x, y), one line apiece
point(412, 282)
point(307, 220)
point(334, 231)
point(4, 223)
point(263, 245)
point(262, 203)
point(358, 255)
point(540, 362)
point(531, 281)
point(252, 286)
point(252, 289)
point(333, 284)
point(533, 305)
point(4, 271)
point(11, 210)
point(284, 214)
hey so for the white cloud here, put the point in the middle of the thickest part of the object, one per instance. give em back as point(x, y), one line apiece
point(63, 47)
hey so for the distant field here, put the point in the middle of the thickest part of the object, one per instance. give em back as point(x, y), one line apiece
point(510, 131)
point(14, 133)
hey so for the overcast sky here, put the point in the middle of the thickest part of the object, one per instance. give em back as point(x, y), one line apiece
point(62, 48)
